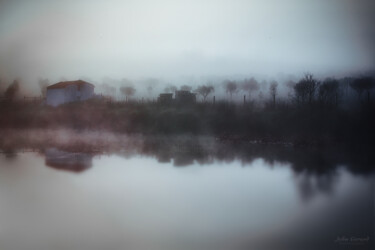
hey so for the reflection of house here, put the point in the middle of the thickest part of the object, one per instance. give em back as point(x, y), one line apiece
point(165, 98)
point(184, 96)
point(71, 91)
point(70, 161)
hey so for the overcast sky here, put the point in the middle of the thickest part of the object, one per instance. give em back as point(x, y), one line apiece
point(171, 38)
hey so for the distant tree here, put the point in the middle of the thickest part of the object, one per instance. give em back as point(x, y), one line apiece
point(250, 85)
point(204, 91)
point(300, 92)
point(363, 84)
point(12, 90)
point(43, 84)
point(230, 87)
point(186, 87)
point(305, 90)
point(128, 92)
point(273, 92)
point(328, 93)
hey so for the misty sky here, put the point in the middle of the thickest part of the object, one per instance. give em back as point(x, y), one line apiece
point(172, 38)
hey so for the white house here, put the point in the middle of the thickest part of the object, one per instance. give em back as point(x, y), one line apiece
point(70, 91)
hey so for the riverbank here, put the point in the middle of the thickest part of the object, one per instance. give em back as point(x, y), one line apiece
point(285, 124)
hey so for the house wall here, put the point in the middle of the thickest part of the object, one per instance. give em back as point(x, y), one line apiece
point(71, 93)
point(55, 97)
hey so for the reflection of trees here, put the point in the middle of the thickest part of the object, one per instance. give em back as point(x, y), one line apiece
point(315, 169)
point(183, 152)
point(312, 161)
point(10, 153)
point(311, 185)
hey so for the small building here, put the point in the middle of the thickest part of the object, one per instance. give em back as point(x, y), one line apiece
point(165, 98)
point(69, 91)
point(185, 97)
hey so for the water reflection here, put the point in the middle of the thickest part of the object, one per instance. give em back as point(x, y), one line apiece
point(10, 154)
point(310, 186)
point(70, 161)
point(315, 170)
point(184, 193)
point(205, 151)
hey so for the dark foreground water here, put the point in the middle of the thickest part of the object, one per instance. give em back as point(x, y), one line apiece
point(185, 198)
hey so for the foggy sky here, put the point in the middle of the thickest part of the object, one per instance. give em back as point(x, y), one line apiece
point(172, 38)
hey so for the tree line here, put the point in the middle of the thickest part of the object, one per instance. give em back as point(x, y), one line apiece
point(306, 91)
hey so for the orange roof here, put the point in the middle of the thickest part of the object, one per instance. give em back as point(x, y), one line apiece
point(61, 85)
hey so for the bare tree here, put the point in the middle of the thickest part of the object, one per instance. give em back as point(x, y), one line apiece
point(305, 89)
point(230, 87)
point(250, 85)
point(204, 91)
point(273, 92)
point(128, 92)
point(328, 93)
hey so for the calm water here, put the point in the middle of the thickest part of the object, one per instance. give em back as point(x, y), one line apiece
point(56, 199)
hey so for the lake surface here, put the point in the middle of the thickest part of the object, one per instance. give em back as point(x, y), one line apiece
point(252, 198)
